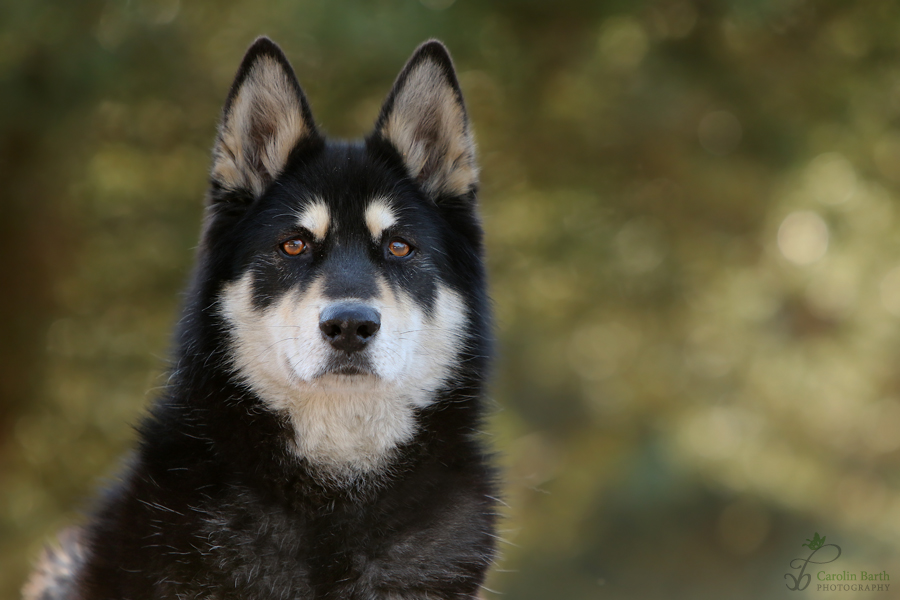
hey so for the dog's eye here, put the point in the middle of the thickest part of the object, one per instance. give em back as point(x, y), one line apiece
point(294, 247)
point(399, 248)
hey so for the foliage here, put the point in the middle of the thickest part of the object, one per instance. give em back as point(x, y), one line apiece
point(692, 217)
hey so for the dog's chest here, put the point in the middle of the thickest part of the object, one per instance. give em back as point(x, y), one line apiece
point(257, 550)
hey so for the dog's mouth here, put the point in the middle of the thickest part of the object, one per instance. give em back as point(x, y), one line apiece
point(348, 364)
point(349, 370)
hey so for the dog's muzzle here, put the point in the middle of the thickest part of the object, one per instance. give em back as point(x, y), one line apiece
point(348, 327)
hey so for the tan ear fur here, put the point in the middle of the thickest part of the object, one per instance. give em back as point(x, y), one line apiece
point(264, 120)
point(425, 120)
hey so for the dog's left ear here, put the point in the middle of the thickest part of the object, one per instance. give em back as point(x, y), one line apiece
point(424, 118)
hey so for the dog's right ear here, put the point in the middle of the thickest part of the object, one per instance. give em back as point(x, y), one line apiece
point(265, 116)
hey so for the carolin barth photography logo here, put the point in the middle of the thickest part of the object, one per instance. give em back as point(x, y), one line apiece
point(829, 580)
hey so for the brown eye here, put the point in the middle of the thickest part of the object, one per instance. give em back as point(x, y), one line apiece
point(399, 248)
point(294, 247)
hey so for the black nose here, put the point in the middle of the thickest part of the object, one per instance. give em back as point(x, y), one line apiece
point(349, 327)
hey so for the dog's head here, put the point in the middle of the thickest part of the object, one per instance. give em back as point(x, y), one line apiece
point(346, 277)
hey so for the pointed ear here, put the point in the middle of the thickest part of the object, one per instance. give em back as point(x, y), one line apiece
point(424, 118)
point(265, 116)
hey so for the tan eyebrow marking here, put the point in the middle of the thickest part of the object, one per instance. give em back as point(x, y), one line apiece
point(379, 216)
point(316, 218)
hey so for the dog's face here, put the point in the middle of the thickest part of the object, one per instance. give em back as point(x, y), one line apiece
point(346, 273)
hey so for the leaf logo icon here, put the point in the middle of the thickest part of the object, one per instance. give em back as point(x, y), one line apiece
point(815, 543)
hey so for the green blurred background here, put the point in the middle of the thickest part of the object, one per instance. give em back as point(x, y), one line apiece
point(693, 220)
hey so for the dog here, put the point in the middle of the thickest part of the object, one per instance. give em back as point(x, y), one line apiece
point(319, 434)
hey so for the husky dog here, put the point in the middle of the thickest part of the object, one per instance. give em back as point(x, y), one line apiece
point(318, 437)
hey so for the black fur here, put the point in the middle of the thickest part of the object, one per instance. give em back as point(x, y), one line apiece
point(214, 504)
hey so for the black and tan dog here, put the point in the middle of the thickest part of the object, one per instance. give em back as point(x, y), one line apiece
point(317, 438)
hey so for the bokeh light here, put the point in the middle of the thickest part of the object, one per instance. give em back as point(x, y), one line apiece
point(803, 237)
